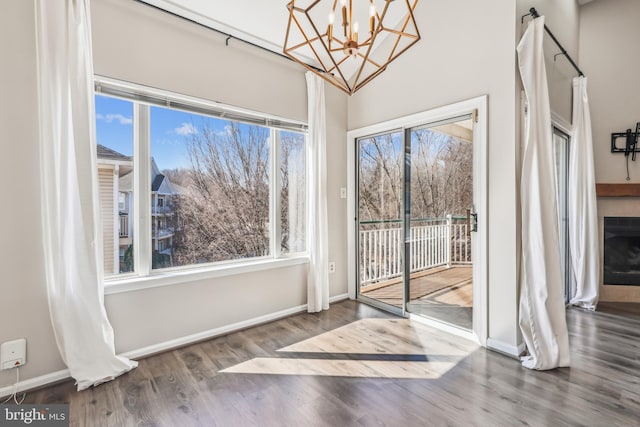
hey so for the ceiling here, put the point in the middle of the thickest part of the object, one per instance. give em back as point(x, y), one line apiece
point(262, 22)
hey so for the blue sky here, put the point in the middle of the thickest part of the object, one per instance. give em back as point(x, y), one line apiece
point(170, 130)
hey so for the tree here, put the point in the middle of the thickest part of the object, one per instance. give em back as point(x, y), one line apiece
point(380, 180)
point(292, 195)
point(223, 208)
point(441, 176)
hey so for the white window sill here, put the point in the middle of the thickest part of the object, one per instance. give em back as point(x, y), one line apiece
point(174, 277)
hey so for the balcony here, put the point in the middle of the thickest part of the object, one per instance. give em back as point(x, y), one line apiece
point(440, 257)
point(433, 243)
point(163, 232)
point(162, 210)
point(124, 226)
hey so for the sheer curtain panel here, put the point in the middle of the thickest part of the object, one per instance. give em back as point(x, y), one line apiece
point(542, 312)
point(583, 209)
point(72, 250)
point(318, 274)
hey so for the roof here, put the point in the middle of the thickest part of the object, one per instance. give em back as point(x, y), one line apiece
point(157, 182)
point(109, 154)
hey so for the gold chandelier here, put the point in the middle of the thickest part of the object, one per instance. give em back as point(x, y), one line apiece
point(349, 57)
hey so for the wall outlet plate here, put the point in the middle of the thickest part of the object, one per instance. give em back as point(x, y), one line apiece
point(13, 354)
point(332, 267)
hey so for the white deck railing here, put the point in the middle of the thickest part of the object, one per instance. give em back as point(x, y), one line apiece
point(440, 242)
point(124, 226)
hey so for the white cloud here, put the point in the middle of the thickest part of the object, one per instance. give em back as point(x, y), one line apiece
point(109, 118)
point(186, 129)
point(226, 131)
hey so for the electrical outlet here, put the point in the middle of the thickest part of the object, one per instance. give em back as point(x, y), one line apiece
point(343, 193)
point(13, 354)
point(332, 267)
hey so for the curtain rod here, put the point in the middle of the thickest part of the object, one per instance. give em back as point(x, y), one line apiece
point(533, 12)
point(228, 36)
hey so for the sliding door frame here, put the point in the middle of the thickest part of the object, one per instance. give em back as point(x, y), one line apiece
point(399, 311)
point(479, 110)
point(562, 127)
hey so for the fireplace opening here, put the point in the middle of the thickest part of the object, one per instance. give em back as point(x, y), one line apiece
point(622, 251)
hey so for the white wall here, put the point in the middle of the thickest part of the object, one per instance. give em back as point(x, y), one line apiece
point(467, 49)
point(140, 44)
point(609, 37)
point(24, 311)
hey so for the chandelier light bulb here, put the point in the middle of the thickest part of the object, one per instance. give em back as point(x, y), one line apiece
point(345, 21)
point(372, 18)
point(332, 17)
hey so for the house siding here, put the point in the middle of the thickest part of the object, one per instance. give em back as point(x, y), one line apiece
point(107, 208)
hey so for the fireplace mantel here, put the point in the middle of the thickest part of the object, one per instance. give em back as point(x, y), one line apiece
point(618, 190)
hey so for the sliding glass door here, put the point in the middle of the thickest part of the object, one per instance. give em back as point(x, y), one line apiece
point(440, 191)
point(415, 220)
point(380, 235)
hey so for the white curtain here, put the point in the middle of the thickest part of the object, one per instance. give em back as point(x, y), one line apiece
point(583, 211)
point(72, 251)
point(318, 274)
point(297, 198)
point(542, 311)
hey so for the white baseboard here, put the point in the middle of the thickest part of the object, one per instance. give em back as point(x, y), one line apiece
point(35, 382)
point(338, 298)
point(43, 380)
point(506, 349)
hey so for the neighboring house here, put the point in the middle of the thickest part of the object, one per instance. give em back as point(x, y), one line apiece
point(115, 176)
point(163, 195)
point(114, 199)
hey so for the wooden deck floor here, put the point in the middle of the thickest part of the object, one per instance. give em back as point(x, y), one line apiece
point(354, 365)
point(439, 286)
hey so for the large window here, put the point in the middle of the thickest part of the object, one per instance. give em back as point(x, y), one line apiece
point(114, 132)
point(218, 185)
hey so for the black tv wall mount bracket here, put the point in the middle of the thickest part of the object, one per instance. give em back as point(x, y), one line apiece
point(629, 147)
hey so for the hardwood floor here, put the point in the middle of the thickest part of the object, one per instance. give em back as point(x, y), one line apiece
point(355, 365)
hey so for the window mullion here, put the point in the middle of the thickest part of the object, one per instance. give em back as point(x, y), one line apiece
point(142, 186)
point(275, 188)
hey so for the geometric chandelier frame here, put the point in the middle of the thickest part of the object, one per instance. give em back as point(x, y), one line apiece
point(325, 37)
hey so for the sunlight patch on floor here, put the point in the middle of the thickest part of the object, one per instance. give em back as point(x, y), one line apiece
point(342, 368)
point(367, 348)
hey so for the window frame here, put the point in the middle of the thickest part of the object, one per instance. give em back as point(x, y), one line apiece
point(144, 276)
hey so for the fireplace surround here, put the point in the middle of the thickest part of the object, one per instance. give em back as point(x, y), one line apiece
point(616, 200)
point(621, 264)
